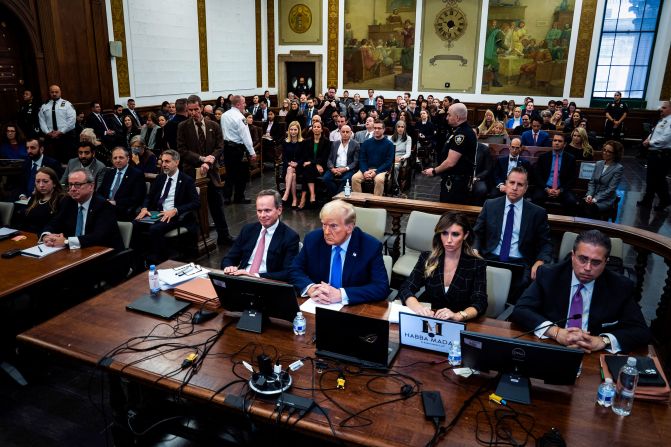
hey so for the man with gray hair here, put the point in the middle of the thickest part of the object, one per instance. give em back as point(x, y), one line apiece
point(456, 170)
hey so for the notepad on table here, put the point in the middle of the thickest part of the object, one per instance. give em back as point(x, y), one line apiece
point(40, 251)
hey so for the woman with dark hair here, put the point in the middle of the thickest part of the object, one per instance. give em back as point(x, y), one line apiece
point(295, 114)
point(44, 203)
point(453, 274)
point(568, 112)
point(129, 129)
point(13, 142)
point(316, 151)
point(359, 122)
point(149, 130)
point(291, 161)
point(391, 120)
point(160, 143)
point(142, 157)
point(601, 190)
point(409, 122)
point(220, 102)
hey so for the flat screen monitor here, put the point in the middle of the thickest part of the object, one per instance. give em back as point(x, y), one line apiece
point(518, 361)
point(257, 299)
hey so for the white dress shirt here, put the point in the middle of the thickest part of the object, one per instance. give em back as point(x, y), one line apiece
point(169, 202)
point(235, 129)
point(341, 158)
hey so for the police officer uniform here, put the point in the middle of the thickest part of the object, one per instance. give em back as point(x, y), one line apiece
point(615, 110)
point(456, 182)
point(237, 140)
point(58, 114)
point(659, 162)
point(27, 118)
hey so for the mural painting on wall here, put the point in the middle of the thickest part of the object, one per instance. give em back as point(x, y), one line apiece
point(527, 46)
point(379, 44)
point(450, 30)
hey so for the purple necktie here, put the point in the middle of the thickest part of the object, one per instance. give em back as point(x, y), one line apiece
point(576, 308)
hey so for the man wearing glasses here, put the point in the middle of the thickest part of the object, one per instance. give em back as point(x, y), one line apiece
point(580, 304)
point(85, 219)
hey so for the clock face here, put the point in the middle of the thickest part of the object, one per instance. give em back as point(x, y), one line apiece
point(450, 24)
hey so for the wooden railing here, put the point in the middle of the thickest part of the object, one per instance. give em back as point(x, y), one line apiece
point(643, 242)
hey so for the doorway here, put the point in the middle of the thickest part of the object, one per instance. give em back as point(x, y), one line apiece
point(296, 64)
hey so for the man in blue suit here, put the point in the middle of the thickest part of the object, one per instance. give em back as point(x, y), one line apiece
point(340, 263)
point(536, 136)
point(36, 160)
point(265, 248)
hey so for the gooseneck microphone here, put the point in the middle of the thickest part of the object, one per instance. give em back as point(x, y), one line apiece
point(554, 323)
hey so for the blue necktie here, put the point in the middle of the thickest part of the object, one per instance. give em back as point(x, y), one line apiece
point(80, 222)
point(336, 268)
point(504, 254)
point(31, 179)
point(115, 187)
point(165, 192)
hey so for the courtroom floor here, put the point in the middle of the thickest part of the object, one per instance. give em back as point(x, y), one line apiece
point(56, 408)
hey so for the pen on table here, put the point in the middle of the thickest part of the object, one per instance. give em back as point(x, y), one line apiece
point(40, 248)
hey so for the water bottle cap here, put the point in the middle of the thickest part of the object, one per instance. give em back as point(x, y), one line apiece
point(631, 361)
point(609, 380)
point(299, 314)
point(152, 267)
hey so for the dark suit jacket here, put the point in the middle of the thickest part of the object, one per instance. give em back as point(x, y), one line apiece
point(282, 250)
point(483, 164)
point(612, 309)
point(101, 224)
point(189, 148)
point(534, 243)
point(543, 138)
point(323, 148)
point(170, 131)
point(352, 155)
point(47, 162)
point(127, 111)
point(364, 276)
point(468, 287)
point(275, 132)
point(566, 170)
point(501, 168)
point(130, 194)
point(94, 123)
point(186, 196)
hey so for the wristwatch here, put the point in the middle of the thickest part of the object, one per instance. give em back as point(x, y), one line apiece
point(464, 315)
point(66, 242)
point(434, 172)
point(606, 341)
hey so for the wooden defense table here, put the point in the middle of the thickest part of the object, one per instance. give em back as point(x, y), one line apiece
point(21, 272)
point(91, 329)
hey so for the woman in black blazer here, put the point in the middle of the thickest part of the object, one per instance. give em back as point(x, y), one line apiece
point(454, 276)
point(315, 155)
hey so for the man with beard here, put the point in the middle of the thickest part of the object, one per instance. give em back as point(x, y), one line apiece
point(36, 160)
point(86, 158)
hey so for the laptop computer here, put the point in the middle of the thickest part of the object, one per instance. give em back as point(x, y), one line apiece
point(356, 339)
point(161, 305)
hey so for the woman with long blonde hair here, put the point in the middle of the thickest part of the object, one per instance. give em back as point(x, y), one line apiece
point(292, 150)
point(487, 122)
point(579, 146)
point(453, 274)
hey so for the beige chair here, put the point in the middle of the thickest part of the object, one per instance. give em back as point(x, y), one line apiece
point(616, 249)
point(387, 265)
point(372, 220)
point(418, 237)
point(498, 286)
point(6, 211)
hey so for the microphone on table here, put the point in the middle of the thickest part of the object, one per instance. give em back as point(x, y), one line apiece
point(563, 320)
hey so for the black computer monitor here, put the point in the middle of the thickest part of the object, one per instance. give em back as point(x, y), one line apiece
point(518, 361)
point(257, 299)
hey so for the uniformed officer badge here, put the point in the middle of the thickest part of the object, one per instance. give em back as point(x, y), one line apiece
point(459, 139)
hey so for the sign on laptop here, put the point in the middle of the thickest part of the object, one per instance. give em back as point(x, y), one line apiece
point(428, 333)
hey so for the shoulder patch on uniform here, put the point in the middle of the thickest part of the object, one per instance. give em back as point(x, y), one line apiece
point(459, 139)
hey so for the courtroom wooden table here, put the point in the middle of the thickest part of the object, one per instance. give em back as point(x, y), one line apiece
point(21, 272)
point(91, 329)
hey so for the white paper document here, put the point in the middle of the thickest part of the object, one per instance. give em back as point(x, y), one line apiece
point(4, 231)
point(310, 306)
point(394, 310)
point(178, 275)
point(40, 251)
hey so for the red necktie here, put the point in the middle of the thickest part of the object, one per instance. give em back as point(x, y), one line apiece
point(258, 256)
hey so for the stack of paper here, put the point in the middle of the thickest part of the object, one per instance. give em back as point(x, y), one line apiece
point(40, 251)
point(199, 291)
point(310, 306)
point(169, 278)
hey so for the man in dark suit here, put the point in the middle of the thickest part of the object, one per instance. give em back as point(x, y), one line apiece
point(124, 186)
point(551, 185)
point(85, 219)
point(130, 110)
point(96, 121)
point(265, 248)
point(173, 194)
point(535, 136)
point(36, 160)
point(525, 240)
point(200, 144)
point(170, 129)
point(255, 107)
point(340, 263)
point(505, 163)
point(342, 163)
point(609, 318)
point(262, 113)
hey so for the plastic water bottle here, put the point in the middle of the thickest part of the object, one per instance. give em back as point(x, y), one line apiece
point(299, 324)
point(454, 357)
point(153, 280)
point(348, 189)
point(626, 386)
point(606, 392)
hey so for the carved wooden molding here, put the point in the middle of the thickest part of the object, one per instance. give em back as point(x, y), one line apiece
point(270, 19)
point(119, 28)
point(332, 50)
point(583, 47)
point(202, 46)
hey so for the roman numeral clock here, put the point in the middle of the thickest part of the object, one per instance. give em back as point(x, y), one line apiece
point(450, 23)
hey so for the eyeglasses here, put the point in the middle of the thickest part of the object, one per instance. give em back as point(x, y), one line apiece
point(584, 260)
point(76, 185)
